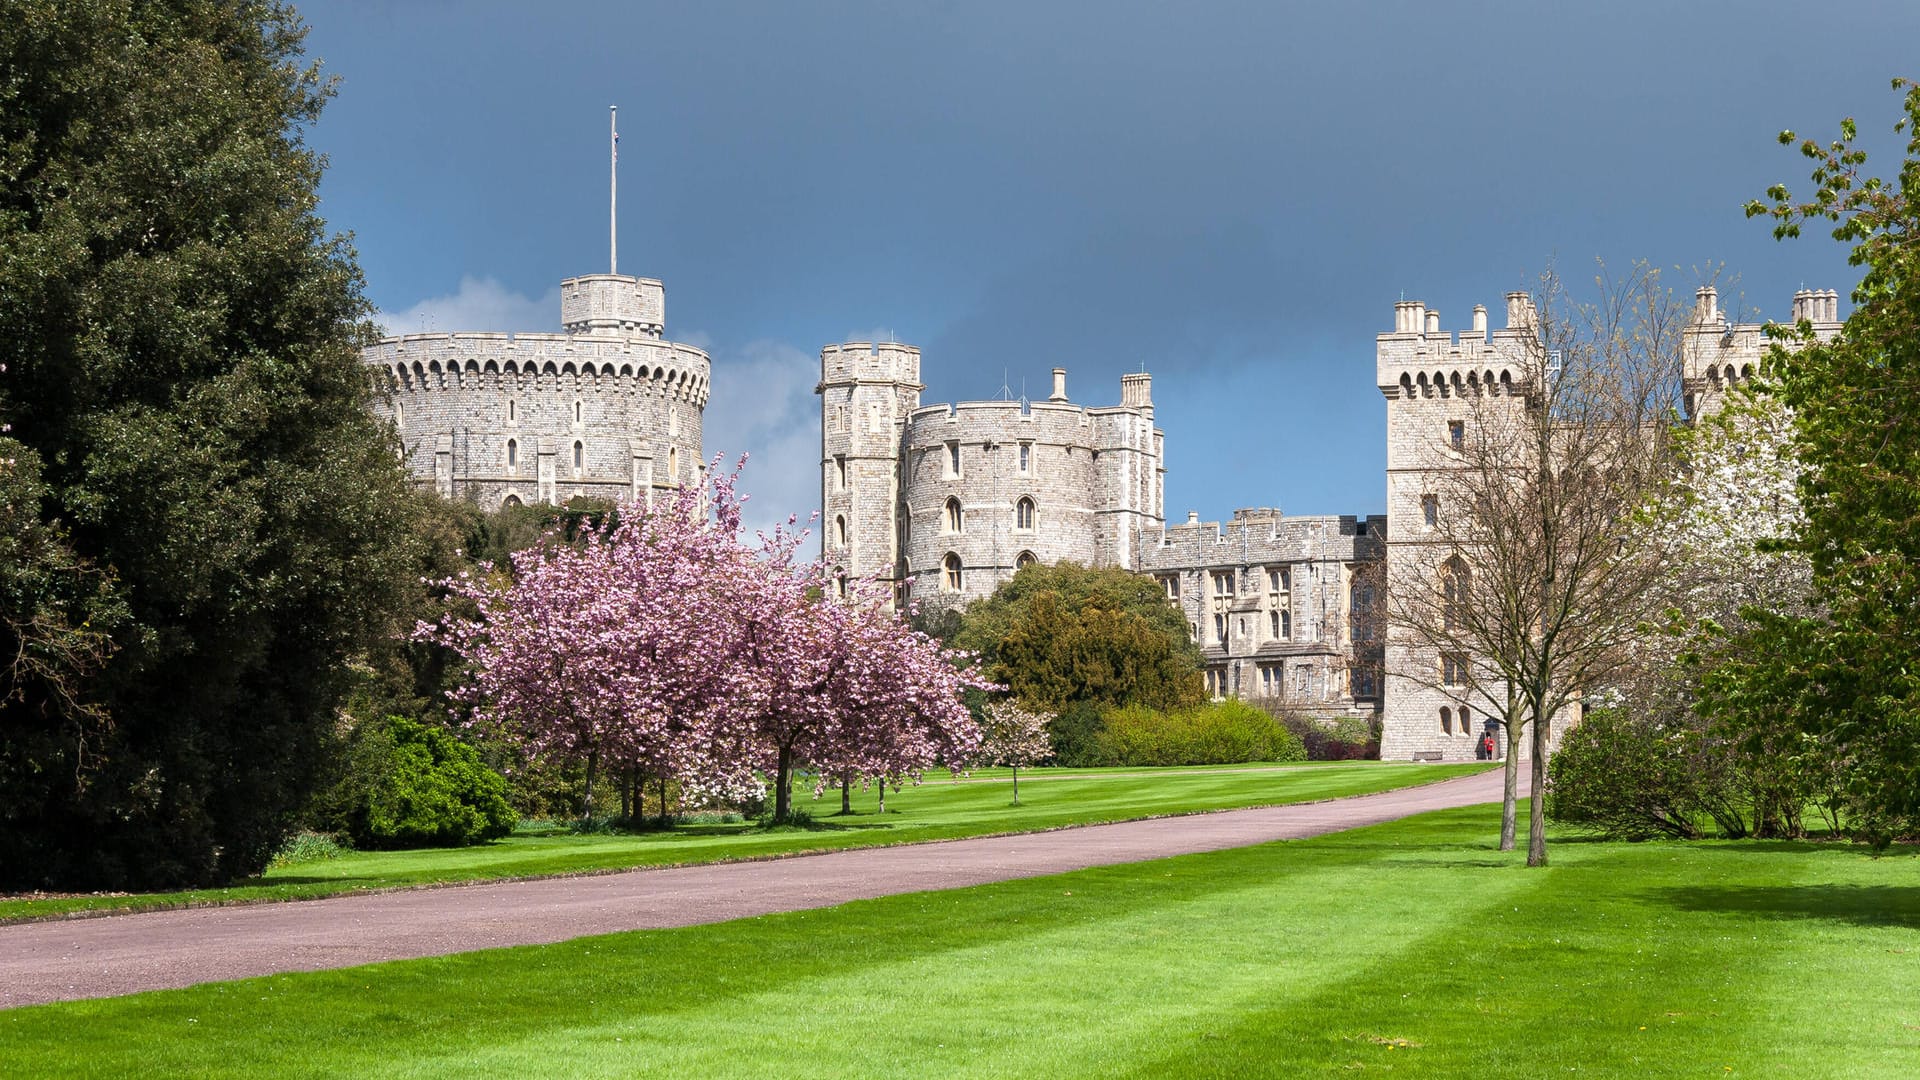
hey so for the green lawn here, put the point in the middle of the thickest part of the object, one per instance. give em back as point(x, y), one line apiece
point(937, 810)
point(1412, 948)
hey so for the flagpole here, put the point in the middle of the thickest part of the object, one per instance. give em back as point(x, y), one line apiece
point(613, 190)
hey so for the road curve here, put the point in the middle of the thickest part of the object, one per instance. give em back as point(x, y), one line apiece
point(123, 954)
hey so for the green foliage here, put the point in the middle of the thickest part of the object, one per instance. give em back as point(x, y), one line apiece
point(307, 847)
point(1340, 738)
point(1847, 676)
point(410, 785)
point(181, 342)
point(1062, 634)
point(1220, 733)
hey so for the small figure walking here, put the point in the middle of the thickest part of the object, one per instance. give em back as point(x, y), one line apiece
point(1487, 747)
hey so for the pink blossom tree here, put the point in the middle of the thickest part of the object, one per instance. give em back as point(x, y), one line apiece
point(1014, 737)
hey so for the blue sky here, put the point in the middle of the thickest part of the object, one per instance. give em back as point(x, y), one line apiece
point(1230, 194)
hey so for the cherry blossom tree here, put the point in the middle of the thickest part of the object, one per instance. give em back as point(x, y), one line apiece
point(1013, 736)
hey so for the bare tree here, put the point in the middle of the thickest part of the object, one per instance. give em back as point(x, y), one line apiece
point(1539, 570)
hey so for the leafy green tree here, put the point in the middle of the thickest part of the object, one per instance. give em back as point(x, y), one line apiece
point(180, 335)
point(1066, 634)
point(410, 784)
point(1847, 675)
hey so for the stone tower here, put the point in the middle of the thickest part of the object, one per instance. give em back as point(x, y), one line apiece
point(867, 390)
point(1437, 388)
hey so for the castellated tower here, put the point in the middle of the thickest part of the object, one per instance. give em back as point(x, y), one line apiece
point(1436, 387)
point(866, 390)
point(606, 409)
point(950, 500)
point(1718, 354)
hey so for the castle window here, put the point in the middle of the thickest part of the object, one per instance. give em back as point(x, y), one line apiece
point(511, 501)
point(953, 459)
point(840, 472)
point(1279, 579)
point(1171, 582)
point(1223, 583)
point(1466, 718)
point(673, 419)
point(1220, 629)
point(1026, 459)
point(1364, 685)
point(1446, 720)
point(579, 410)
point(513, 455)
point(399, 415)
point(579, 456)
point(513, 412)
point(953, 518)
point(840, 531)
point(1455, 586)
point(1457, 434)
point(673, 463)
point(1272, 681)
point(1362, 599)
point(1453, 669)
point(952, 580)
point(1430, 510)
point(1023, 515)
point(840, 582)
point(1024, 560)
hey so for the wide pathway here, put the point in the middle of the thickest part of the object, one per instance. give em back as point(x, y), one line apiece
point(122, 954)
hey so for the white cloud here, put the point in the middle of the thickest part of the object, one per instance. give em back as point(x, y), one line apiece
point(763, 403)
point(479, 304)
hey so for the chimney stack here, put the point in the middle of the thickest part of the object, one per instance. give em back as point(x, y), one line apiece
point(1059, 385)
point(1433, 321)
point(1706, 305)
point(1519, 311)
point(1480, 320)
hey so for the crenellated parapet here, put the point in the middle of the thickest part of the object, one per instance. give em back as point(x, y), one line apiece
point(1718, 354)
point(1420, 360)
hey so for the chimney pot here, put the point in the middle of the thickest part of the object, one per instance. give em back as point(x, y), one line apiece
point(1433, 321)
point(1480, 319)
point(1059, 385)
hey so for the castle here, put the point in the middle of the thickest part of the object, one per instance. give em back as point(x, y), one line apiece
point(948, 501)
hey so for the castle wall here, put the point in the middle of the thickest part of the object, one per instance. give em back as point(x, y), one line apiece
point(1285, 609)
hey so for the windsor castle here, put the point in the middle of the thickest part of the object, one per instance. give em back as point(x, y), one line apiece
point(947, 501)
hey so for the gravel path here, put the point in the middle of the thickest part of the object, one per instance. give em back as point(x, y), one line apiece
point(87, 958)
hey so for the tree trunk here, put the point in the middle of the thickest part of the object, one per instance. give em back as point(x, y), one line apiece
point(1537, 795)
point(593, 767)
point(782, 804)
point(1016, 785)
point(1510, 794)
point(883, 795)
point(846, 793)
point(626, 795)
point(666, 815)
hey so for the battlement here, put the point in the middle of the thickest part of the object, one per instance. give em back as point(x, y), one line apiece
point(1718, 354)
point(458, 360)
point(881, 361)
point(1419, 359)
point(613, 304)
point(1263, 535)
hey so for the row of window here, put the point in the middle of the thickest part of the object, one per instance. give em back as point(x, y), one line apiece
point(953, 572)
point(1224, 681)
point(953, 470)
point(580, 457)
point(953, 518)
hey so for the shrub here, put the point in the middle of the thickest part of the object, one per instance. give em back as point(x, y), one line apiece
point(411, 785)
point(1222, 733)
point(1074, 732)
point(1340, 738)
point(1630, 780)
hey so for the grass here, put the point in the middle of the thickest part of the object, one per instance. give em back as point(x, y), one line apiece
point(1410, 948)
point(937, 810)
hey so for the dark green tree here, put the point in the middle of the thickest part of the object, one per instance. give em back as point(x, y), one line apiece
point(1848, 676)
point(1073, 640)
point(179, 331)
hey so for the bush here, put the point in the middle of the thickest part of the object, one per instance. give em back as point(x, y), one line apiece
point(1630, 780)
point(1074, 732)
point(1222, 733)
point(410, 785)
point(1340, 738)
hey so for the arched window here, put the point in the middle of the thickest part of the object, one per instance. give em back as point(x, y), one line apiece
point(951, 579)
point(1024, 560)
point(1446, 720)
point(953, 516)
point(513, 455)
point(1023, 514)
point(578, 410)
point(1273, 625)
point(511, 500)
point(673, 463)
point(1286, 626)
point(579, 455)
point(399, 414)
point(512, 411)
point(1362, 599)
point(1466, 719)
point(1456, 583)
point(840, 531)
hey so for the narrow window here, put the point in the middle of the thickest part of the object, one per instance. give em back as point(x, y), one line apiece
point(951, 564)
point(1171, 582)
point(1466, 718)
point(1286, 625)
point(840, 472)
point(673, 463)
point(1446, 720)
point(953, 459)
point(1273, 625)
point(1023, 515)
point(840, 531)
point(513, 455)
point(577, 410)
point(1457, 434)
point(579, 455)
point(1455, 583)
point(1430, 510)
point(512, 411)
point(954, 519)
point(1026, 458)
point(1223, 583)
point(1220, 629)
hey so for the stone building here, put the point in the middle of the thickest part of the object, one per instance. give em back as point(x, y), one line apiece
point(606, 409)
point(1285, 609)
point(947, 501)
point(1436, 383)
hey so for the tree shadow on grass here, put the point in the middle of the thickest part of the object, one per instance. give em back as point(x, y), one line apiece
point(1865, 905)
